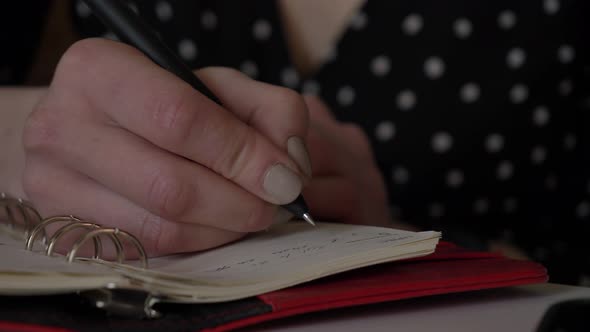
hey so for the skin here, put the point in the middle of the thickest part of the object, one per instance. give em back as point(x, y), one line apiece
point(119, 140)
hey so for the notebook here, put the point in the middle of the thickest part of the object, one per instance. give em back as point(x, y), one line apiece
point(290, 269)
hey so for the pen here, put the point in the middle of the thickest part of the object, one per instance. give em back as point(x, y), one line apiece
point(129, 28)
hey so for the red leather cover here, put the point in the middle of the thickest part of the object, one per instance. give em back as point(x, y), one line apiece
point(450, 269)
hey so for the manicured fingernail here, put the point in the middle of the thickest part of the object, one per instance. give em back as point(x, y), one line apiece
point(282, 184)
point(282, 216)
point(297, 150)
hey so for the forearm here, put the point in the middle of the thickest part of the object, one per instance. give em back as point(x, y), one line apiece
point(15, 105)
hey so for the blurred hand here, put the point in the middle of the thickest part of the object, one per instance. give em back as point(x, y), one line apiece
point(346, 185)
point(118, 140)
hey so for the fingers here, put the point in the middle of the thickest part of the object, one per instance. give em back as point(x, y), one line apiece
point(349, 134)
point(319, 111)
point(136, 94)
point(164, 184)
point(277, 112)
point(88, 200)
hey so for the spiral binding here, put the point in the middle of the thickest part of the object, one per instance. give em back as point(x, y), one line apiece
point(20, 215)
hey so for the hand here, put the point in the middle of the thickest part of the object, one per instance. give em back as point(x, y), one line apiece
point(119, 140)
point(346, 185)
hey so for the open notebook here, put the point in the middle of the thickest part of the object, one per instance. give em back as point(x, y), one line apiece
point(285, 255)
point(261, 278)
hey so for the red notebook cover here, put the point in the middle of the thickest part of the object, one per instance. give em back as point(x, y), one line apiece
point(450, 269)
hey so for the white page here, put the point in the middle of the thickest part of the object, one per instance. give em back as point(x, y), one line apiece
point(15, 258)
point(287, 249)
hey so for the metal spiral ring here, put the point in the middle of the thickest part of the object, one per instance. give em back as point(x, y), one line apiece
point(17, 209)
point(20, 213)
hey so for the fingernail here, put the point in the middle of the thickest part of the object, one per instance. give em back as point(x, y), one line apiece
point(297, 150)
point(282, 216)
point(282, 184)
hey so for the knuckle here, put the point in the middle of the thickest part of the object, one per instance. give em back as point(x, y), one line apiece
point(169, 196)
point(151, 232)
point(237, 151)
point(171, 115)
point(79, 56)
point(41, 130)
point(358, 135)
point(34, 181)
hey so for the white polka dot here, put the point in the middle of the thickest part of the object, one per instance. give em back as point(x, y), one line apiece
point(380, 65)
point(551, 7)
point(209, 20)
point(82, 9)
point(133, 7)
point(538, 155)
point(434, 67)
point(515, 58)
point(455, 178)
point(566, 54)
point(565, 87)
point(469, 92)
point(384, 131)
point(541, 116)
point(311, 87)
point(359, 21)
point(164, 11)
point(436, 210)
point(289, 77)
point(412, 24)
point(583, 209)
point(569, 141)
point(261, 30)
point(481, 206)
point(400, 175)
point(519, 93)
point(406, 100)
point(187, 49)
point(463, 28)
point(507, 19)
point(442, 142)
point(551, 182)
point(505, 170)
point(494, 143)
point(249, 68)
point(345, 96)
point(510, 204)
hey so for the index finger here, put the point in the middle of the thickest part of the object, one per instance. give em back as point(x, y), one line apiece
point(154, 104)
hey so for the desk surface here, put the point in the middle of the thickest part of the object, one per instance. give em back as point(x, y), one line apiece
point(507, 309)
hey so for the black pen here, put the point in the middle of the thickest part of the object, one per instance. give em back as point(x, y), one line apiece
point(130, 29)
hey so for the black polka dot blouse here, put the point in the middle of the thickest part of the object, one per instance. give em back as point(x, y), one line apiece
point(478, 111)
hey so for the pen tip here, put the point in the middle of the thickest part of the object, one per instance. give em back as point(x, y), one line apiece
point(307, 217)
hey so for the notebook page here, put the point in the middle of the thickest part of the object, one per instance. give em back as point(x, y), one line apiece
point(14, 258)
point(289, 249)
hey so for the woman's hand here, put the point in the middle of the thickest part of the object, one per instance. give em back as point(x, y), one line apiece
point(121, 141)
point(346, 185)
